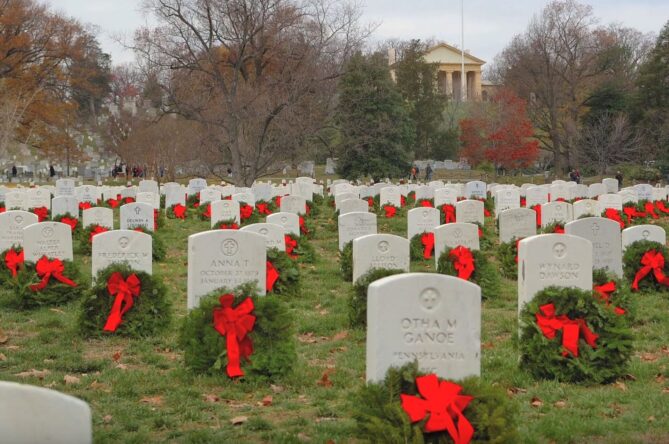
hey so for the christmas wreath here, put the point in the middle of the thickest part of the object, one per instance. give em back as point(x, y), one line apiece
point(357, 304)
point(226, 224)
point(158, 245)
point(421, 246)
point(298, 247)
point(177, 211)
point(313, 206)
point(193, 200)
point(390, 210)
point(634, 214)
point(346, 262)
point(68, 219)
point(570, 335)
point(44, 283)
point(85, 237)
point(612, 292)
point(615, 215)
point(124, 302)
point(429, 203)
point(645, 266)
point(265, 208)
point(472, 266)
point(247, 214)
point(42, 213)
point(553, 228)
point(2, 207)
point(307, 227)
point(410, 406)
point(448, 213)
point(12, 263)
point(507, 256)
point(283, 274)
point(204, 211)
point(485, 237)
point(237, 333)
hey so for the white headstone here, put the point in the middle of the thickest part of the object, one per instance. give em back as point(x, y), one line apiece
point(453, 235)
point(517, 223)
point(273, 234)
point(644, 191)
point(424, 192)
point(224, 258)
point(506, 199)
point(148, 186)
point(390, 195)
point(353, 205)
point(294, 204)
point(149, 198)
point(98, 216)
point(65, 187)
point(88, 193)
point(475, 189)
point(422, 220)
point(426, 317)
point(174, 195)
point(209, 195)
point(50, 239)
point(535, 196)
point(339, 198)
point(611, 185)
point(16, 200)
point(379, 251)
point(559, 191)
point(606, 241)
point(596, 189)
point(224, 210)
point(653, 233)
point(585, 207)
point(552, 212)
point(605, 201)
point(354, 225)
point(122, 247)
point(289, 221)
point(136, 215)
point(445, 196)
point(62, 205)
point(246, 197)
point(39, 197)
point(12, 224)
point(471, 211)
point(196, 185)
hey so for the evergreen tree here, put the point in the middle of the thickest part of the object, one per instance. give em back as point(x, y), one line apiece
point(376, 130)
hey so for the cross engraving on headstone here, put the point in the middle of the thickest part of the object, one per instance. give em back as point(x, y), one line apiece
point(595, 229)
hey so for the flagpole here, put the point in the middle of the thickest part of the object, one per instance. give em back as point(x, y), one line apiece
point(463, 74)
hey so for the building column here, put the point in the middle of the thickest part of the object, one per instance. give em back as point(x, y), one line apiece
point(477, 85)
point(449, 83)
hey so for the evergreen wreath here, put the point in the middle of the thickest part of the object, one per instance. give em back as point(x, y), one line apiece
point(265, 208)
point(417, 249)
point(552, 228)
point(42, 213)
point(157, 243)
point(204, 211)
point(303, 251)
point(85, 238)
point(171, 211)
point(632, 265)
point(11, 257)
point(357, 304)
point(380, 417)
point(226, 224)
point(546, 358)
point(193, 200)
point(346, 262)
point(388, 211)
point(634, 214)
point(507, 256)
point(485, 237)
point(288, 283)
point(149, 314)
point(485, 274)
point(18, 293)
point(424, 203)
point(313, 206)
point(68, 219)
point(307, 227)
point(248, 214)
point(613, 292)
point(274, 349)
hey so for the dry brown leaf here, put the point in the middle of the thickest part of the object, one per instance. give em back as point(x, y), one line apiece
point(629, 377)
point(302, 398)
point(208, 397)
point(309, 338)
point(239, 420)
point(117, 356)
point(620, 386)
point(341, 335)
point(303, 437)
point(665, 349)
point(70, 380)
point(648, 357)
point(57, 310)
point(323, 312)
point(536, 402)
point(153, 400)
point(3, 357)
point(121, 366)
point(651, 418)
point(40, 374)
point(487, 345)
point(515, 390)
point(665, 390)
point(267, 401)
point(3, 337)
point(276, 388)
point(325, 381)
point(107, 419)
point(560, 404)
point(95, 385)
point(659, 378)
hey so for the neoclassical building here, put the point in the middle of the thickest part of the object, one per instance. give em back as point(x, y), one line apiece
point(448, 60)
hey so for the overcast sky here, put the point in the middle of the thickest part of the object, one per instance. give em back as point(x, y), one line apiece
point(489, 24)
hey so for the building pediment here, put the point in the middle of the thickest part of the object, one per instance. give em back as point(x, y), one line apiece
point(445, 54)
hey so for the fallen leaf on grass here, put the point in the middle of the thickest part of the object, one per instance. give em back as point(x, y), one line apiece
point(341, 335)
point(309, 338)
point(659, 378)
point(3, 337)
point(325, 379)
point(276, 388)
point(648, 357)
point(303, 437)
point(487, 345)
point(560, 404)
point(239, 420)
point(665, 390)
point(651, 418)
point(40, 374)
point(153, 400)
point(665, 349)
point(70, 380)
point(208, 397)
point(107, 419)
point(629, 377)
point(95, 385)
point(117, 356)
point(3, 357)
point(536, 402)
point(121, 367)
point(515, 390)
point(620, 386)
point(57, 310)
point(267, 401)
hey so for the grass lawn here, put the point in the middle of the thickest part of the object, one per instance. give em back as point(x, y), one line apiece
point(139, 390)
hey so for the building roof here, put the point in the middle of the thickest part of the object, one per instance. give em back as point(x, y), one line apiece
point(444, 53)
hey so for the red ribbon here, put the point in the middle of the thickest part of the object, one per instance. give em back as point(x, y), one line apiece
point(235, 324)
point(207, 212)
point(112, 203)
point(272, 276)
point(124, 290)
point(650, 210)
point(652, 260)
point(523, 202)
point(245, 211)
point(449, 213)
point(156, 214)
point(2, 209)
point(263, 208)
point(13, 260)
point(179, 211)
point(559, 229)
point(97, 230)
point(390, 210)
point(613, 214)
point(632, 212)
point(571, 329)
point(307, 209)
point(85, 206)
point(229, 226)
point(403, 201)
point(427, 239)
point(129, 200)
point(537, 209)
point(291, 244)
point(72, 222)
point(661, 207)
point(517, 243)
point(370, 202)
point(463, 261)
point(277, 201)
point(42, 213)
point(605, 291)
point(486, 212)
point(443, 401)
point(47, 269)
point(303, 228)
point(426, 203)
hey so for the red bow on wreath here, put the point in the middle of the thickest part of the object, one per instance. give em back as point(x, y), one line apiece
point(661, 207)
point(652, 261)
point(72, 222)
point(650, 210)
point(124, 291)
point(207, 212)
point(84, 205)
point(179, 211)
point(263, 208)
point(272, 276)
point(605, 291)
point(245, 211)
point(449, 213)
point(426, 203)
point(613, 214)
point(47, 269)
point(97, 230)
point(230, 226)
point(113, 203)
point(523, 202)
point(444, 403)
point(277, 201)
point(303, 227)
point(403, 201)
point(2, 209)
point(571, 329)
point(235, 324)
point(537, 209)
point(370, 202)
point(13, 260)
point(291, 244)
point(632, 212)
point(390, 210)
point(517, 243)
point(427, 239)
point(41, 212)
point(559, 229)
point(463, 261)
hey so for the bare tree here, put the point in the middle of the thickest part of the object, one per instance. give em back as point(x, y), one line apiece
point(258, 75)
point(608, 140)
